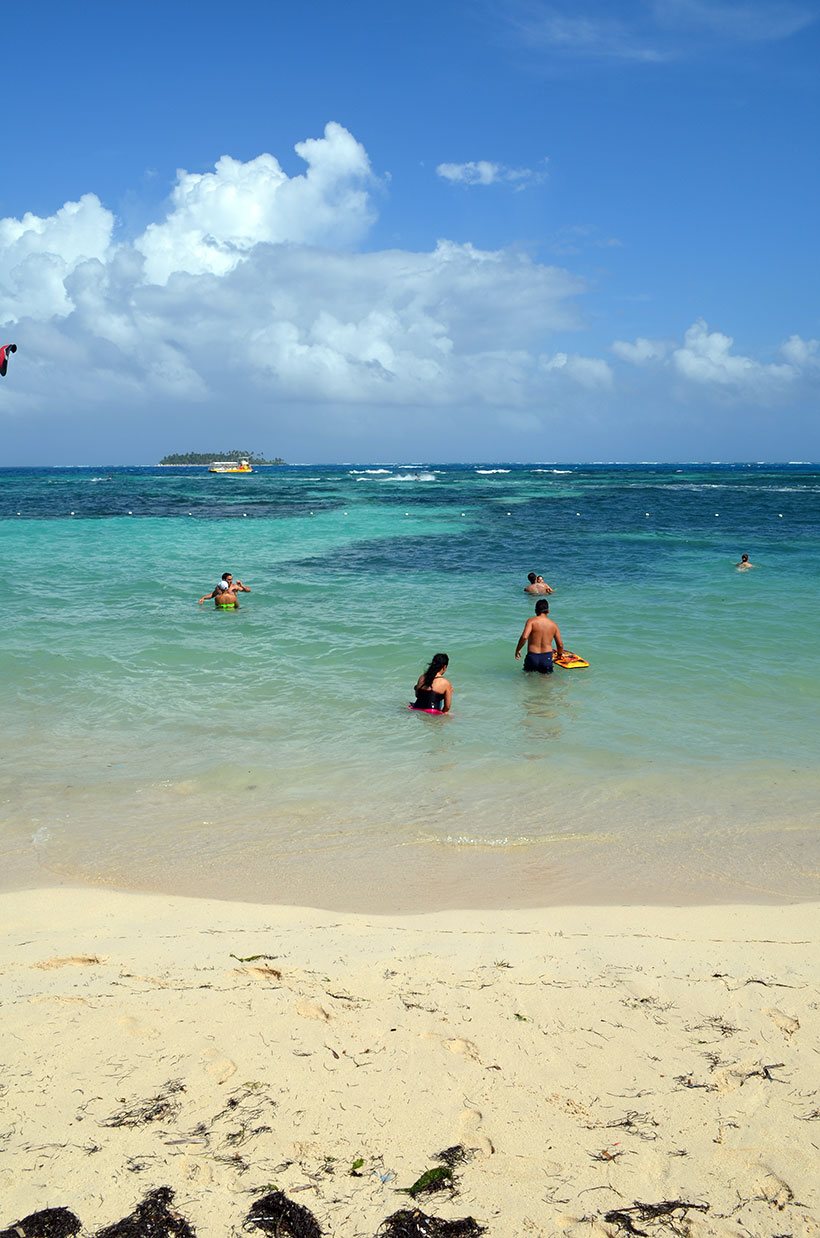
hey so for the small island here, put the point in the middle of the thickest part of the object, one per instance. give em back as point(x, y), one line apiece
point(205, 458)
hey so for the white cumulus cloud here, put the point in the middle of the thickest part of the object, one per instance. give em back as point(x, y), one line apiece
point(706, 357)
point(803, 354)
point(642, 352)
point(249, 294)
point(217, 217)
point(297, 322)
point(590, 372)
point(38, 254)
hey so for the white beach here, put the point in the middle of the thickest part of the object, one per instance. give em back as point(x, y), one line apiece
point(585, 1060)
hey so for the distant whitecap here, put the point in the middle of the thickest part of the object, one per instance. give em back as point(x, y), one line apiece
point(409, 477)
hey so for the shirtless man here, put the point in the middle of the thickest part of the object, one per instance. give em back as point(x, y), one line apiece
point(744, 565)
point(224, 593)
point(539, 634)
point(537, 584)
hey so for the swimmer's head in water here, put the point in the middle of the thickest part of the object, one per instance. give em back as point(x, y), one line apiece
point(531, 577)
point(542, 607)
point(744, 558)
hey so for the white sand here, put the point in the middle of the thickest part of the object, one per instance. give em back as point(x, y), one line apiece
point(586, 1058)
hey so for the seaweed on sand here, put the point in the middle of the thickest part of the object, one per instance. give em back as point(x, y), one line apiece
point(667, 1209)
point(154, 1109)
point(439, 1178)
point(411, 1223)
point(153, 1218)
point(47, 1223)
point(456, 1155)
point(280, 1217)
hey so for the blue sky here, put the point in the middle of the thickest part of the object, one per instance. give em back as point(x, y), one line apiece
point(481, 230)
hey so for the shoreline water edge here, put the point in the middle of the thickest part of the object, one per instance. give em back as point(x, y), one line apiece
point(564, 1071)
point(265, 753)
point(545, 966)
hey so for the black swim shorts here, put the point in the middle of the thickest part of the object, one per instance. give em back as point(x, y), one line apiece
point(541, 662)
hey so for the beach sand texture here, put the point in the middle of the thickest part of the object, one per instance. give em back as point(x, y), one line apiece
point(583, 1059)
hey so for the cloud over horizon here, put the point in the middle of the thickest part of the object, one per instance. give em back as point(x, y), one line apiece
point(253, 290)
point(706, 359)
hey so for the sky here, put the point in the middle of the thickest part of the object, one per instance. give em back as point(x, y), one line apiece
point(447, 231)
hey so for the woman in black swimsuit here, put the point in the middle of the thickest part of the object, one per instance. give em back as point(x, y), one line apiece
point(433, 691)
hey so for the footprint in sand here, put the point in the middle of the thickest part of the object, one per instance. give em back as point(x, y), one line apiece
point(73, 960)
point(464, 1048)
point(469, 1133)
point(260, 973)
point(309, 1010)
point(217, 1066)
point(786, 1022)
point(727, 1080)
point(571, 1107)
point(135, 1027)
point(774, 1190)
point(197, 1171)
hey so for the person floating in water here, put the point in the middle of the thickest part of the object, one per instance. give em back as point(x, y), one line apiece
point(224, 593)
point(539, 634)
point(433, 692)
point(537, 584)
point(744, 565)
point(5, 351)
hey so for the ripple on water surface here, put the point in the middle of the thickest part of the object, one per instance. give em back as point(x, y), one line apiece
point(269, 753)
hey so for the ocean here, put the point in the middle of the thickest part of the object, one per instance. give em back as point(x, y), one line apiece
point(268, 754)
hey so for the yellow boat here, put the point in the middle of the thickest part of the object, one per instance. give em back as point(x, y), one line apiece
point(230, 466)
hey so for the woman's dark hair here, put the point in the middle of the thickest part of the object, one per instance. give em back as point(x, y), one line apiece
point(439, 663)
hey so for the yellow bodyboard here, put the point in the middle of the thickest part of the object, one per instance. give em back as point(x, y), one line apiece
point(570, 661)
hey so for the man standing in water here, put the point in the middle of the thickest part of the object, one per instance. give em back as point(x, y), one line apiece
point(744, 565)
point(537, 584)
point(224, 593)
point(539, 634)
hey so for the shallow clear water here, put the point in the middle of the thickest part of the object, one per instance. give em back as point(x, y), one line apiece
point(268, 754)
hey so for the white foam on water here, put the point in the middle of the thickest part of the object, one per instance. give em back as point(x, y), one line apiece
point(411, 477)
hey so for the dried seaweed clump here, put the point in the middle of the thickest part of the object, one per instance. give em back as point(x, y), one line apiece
point(411, 1223)
point(280, 1217)
point(668, 1210)
point(154, 1109)
point(48, 1223)
point(457, 1155)
point(153, 1218)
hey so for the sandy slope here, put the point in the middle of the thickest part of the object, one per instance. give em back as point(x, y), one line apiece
point(583, 1058)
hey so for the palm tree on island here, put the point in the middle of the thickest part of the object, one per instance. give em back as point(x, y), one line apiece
point(207, 458)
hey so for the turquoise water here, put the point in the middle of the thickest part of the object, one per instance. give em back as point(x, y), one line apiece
point(268, 754)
